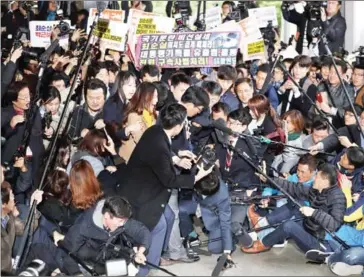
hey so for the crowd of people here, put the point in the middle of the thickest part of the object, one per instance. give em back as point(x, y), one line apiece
point(142, 152)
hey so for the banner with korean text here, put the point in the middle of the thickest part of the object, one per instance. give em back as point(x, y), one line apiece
point(140, 22)
point(41, 31)
point(179, 50)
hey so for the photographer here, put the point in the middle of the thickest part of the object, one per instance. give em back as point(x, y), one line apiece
point(311, 17)
point(213, 197)
point(107, 232)
point(326, 210)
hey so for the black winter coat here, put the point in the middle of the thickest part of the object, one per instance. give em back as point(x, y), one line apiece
point(87, 238)
point(329, 205)
point(151, 177)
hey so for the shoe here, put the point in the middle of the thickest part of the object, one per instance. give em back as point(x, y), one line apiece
point(191, 242)
point(253, 217)
point(343, 269)
point(317, 256)
point(187, 260)
point(258, 247)
point(166, 262)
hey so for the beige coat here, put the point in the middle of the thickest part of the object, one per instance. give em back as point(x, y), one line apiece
point(128, 146)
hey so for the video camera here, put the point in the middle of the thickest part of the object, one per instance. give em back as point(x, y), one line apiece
point(314, 9)
point(359, 60)
point(181, 13)
point(240, 11)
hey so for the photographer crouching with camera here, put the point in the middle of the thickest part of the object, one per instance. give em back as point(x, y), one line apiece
point(314, 18)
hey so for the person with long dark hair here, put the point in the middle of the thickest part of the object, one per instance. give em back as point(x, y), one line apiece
point(141, 108)
point(265, 123)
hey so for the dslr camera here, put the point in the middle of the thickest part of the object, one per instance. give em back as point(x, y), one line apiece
point(207, 158)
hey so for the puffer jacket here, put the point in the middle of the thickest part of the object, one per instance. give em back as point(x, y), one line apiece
point(329, 205)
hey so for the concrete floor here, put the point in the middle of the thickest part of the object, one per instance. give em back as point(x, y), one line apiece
point(286, 261)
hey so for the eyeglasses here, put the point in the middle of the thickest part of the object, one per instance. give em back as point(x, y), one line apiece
point(358, 74)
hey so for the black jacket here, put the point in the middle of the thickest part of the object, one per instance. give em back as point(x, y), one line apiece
point(329, 205)
point(81, 119)
point(14, 137)
point(335, 29)
point(239, 172)
point(59, 214)
point(7, 74)
point(87, 237)
point(332, 143)
point(151, 177)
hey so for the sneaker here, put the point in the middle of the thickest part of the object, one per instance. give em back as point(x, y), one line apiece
point(280, 245)
point(343, 269)
point(317, 256)
point(191, 242)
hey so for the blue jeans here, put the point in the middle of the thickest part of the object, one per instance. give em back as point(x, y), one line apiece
point(160, 238)
point(352, 256)
point(283, 213)
point(186, 209)
point(294, 230)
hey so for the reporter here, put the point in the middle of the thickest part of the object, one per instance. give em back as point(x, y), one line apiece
point(326, 211)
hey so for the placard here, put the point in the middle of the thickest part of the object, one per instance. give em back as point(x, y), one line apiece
point(179, 50)
point(110, 31)
point(139, 22)
point(264, 15)
point(255, 50)
point(41, 31)
point(114, 15)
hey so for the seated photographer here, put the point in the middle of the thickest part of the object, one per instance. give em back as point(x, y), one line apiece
point(326, 212)
point(93, 238)
point(349, 135)
point(305, 175)
point(213, 197)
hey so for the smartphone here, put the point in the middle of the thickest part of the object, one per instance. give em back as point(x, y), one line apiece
point(319, 97)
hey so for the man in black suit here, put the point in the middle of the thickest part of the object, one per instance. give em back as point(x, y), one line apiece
point(152, 176)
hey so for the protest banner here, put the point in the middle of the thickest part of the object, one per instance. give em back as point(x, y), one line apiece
point(41, 31)
point(110, 31)
point(141, 22)
point(212, 18)
point(254, 50)
point(114, 15)
point(180, 50)
point(264, 15)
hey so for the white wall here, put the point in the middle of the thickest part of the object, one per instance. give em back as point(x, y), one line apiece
point(354, 15)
